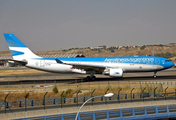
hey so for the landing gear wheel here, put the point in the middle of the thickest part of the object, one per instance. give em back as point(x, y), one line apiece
point(88, 78)
point(93, 78)
point(154, 76)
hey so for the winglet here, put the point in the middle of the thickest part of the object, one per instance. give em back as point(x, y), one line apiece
point(58, 61)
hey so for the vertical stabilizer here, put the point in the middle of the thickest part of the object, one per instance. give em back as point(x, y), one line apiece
point(18, 50)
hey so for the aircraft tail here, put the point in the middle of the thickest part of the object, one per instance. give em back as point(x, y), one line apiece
point(18, 50)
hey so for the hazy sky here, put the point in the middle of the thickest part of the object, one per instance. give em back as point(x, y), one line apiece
point(62, 24)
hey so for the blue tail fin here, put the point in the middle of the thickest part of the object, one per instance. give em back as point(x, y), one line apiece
point(18, 50)
point(13, 41)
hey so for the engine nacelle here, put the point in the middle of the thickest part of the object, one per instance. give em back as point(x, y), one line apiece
point(115, 72)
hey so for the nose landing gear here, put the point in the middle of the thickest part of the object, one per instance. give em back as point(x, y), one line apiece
point(155, 74)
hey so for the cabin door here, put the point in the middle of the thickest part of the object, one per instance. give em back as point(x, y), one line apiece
point(42, 63)
point(157, 60)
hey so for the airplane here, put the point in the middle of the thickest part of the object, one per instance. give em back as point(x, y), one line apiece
point(112, 66)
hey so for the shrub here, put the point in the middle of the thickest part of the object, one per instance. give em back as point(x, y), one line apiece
point(55, 90)
point(143, 47)
point(68, 91)
point(112, 50)
point(64, 95)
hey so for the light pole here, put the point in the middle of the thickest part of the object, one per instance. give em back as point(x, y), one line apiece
point(106, 95)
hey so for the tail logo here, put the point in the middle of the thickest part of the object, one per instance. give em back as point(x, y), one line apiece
point(15, 53)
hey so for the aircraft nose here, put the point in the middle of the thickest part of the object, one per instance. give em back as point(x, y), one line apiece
point(169, 65)
point(172, 64)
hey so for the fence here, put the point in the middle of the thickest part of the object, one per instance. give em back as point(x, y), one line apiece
point(75, 100)
point(138, 113)
point(157, 83)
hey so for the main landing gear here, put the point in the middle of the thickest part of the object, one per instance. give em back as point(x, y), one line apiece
point(155, 74)
point(91, 77)
point(88, 78)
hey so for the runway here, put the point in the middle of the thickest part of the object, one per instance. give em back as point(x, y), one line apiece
point(48, 78)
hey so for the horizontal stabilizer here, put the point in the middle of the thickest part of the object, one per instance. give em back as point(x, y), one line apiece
point(23, 62)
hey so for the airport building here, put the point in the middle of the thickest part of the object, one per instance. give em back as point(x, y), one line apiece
point(4, 59)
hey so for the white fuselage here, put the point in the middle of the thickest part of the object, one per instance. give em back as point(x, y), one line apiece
point(53, 66)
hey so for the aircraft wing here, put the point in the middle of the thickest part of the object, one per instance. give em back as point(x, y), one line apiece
point(86, 67)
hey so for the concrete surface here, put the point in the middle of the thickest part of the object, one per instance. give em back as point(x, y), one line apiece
point(16, 115)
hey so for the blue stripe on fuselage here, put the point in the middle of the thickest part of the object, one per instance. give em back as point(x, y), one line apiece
point(152, 60)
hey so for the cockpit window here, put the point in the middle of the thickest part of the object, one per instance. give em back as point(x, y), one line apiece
point(167, 61)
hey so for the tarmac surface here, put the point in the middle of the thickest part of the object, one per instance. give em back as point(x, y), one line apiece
point(63, 78)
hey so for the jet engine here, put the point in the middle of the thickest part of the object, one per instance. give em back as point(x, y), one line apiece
point(114, 72)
